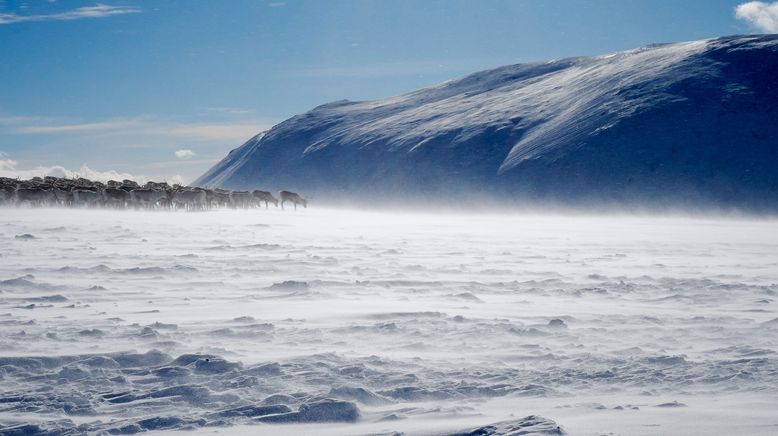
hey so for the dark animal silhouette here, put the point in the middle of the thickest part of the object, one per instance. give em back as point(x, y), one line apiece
point(242, 199)
point(53, 191)
point(294, 198)
point(266, 197)
point(115, 197)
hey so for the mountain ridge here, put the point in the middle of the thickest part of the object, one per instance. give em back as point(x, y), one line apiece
point(691, 122)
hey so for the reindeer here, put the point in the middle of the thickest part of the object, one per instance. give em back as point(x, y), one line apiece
point(115, 197)
point(87, 197)
point(294, 198)
point(241, 199)
point(63, 196)
point(266, 197)
point(34, 196)
point(190, 200)
point(150, 198)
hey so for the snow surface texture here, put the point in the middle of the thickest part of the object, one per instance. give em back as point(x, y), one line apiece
point(692, 122)
point(338, 322)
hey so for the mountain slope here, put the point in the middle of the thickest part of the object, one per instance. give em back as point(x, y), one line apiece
point(694, 122)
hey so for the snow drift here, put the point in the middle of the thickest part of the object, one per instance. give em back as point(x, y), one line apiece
point(338, 322)
point(693, 122)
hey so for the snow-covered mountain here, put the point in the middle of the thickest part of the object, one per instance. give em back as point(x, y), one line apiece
point(692, 122)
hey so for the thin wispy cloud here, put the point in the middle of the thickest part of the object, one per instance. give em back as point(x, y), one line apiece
point(185, 154)
point(96, 11)
point(227, 132)
point(76, 127)
point(21, 120)
point(761, 15)
point(229, 110)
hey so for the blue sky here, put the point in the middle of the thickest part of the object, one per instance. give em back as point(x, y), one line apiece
point(124, 85)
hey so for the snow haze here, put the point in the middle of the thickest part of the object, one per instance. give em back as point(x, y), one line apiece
point(418, 323)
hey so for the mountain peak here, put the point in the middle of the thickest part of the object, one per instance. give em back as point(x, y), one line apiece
point(692, 121)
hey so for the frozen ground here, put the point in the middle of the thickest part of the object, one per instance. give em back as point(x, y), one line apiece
point(338, 322)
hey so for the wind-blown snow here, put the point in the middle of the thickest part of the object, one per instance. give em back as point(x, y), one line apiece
point(665, 123)
point(345, 322)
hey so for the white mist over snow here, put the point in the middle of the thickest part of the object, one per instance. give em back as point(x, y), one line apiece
point(427, 323)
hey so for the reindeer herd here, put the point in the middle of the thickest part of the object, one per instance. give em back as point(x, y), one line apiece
point(127, 194)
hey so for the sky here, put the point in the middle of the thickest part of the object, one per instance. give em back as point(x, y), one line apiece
point(163, 89)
